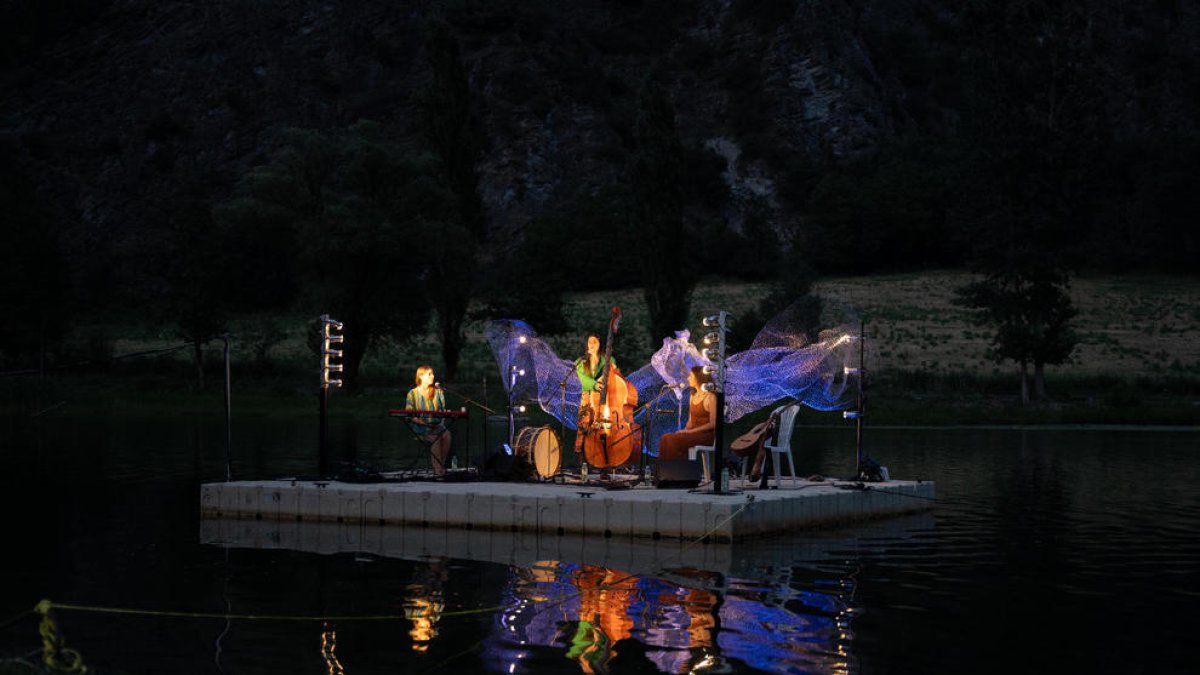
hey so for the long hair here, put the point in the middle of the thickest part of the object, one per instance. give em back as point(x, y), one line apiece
point(584, 359)
point(702, 378)
point(421, 370)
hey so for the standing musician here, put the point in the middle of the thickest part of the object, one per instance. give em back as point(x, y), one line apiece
point(432, 430)
point(589, 368)
point(702, 420)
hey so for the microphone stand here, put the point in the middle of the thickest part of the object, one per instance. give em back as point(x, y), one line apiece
point(512, 399)
point(562, 416)
point(479, 405)
point(646, 430)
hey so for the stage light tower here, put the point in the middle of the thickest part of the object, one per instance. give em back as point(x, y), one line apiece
point(861, 410)
point(331, 342)
point(513, 408)
point(331, 334)
point(715, 351)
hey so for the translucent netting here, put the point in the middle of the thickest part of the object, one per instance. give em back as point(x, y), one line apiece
point(531, 371)
point(779, 366)
point(782, 364)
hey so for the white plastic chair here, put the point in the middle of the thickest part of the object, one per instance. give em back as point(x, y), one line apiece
point(704, 451)
point(786, 414)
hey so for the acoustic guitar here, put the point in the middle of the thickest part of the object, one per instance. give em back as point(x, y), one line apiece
point(748, 443)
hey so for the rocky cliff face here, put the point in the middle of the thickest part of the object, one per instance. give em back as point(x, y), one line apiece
point(151, 102)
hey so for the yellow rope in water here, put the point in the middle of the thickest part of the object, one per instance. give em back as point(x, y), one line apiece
point(658, 564)
point(253, 617)
point(55, 654)
point(59, 658)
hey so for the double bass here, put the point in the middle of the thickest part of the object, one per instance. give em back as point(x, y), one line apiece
point(610, 436)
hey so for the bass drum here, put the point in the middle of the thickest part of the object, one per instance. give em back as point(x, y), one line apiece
point(540, 446)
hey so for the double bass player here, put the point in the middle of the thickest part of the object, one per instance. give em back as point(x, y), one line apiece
point(607, 435)
point(589, 368)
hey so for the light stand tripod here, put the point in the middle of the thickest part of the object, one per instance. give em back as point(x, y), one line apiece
point(514, 373)
point(562, 423)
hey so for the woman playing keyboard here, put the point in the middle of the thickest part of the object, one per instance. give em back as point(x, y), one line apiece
point(432, 430)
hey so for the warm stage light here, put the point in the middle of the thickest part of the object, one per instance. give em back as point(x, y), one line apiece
point(330, 338)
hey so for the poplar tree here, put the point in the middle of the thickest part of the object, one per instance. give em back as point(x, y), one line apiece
point(34, 288)
point(453, 129)
point(343, 209)
point(664, 252)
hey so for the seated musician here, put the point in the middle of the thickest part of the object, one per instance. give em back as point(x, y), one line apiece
point(432, 430)
point(701, 424)
point(589, 368)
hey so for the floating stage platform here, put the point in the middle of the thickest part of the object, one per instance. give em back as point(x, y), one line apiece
point(532, 550)
point(589, 510)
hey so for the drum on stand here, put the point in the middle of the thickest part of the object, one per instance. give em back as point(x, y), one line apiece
point(539, 445)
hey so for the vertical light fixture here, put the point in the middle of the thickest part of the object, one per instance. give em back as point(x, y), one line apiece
point(331, 343)
point(714, 351)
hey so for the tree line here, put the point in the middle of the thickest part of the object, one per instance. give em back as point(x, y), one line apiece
point(388, 231)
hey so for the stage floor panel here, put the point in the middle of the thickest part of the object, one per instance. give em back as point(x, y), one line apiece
point(608, 509)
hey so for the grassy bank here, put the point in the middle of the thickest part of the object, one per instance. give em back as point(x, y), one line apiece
point(1138, 361)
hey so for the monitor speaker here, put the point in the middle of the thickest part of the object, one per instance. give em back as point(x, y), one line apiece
point(677, 473)
point(500, 465)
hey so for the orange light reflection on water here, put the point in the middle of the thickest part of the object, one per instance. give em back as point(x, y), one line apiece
point(329, 651)
point(607, 620)
point(424, 614)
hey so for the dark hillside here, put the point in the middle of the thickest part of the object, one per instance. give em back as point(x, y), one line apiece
point(814, 113)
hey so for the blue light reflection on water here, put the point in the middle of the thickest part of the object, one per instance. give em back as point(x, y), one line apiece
point(588, 612)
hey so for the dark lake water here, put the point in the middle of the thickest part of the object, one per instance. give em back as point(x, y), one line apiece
point(1051, 550)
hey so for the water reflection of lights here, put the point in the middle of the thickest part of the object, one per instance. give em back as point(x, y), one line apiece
point(424, 613)
point(684, 621)
point(704, 664)
point(711, 663)
point(328, 651)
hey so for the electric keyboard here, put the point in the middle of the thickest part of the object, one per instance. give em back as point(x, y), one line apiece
point(427, 413)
